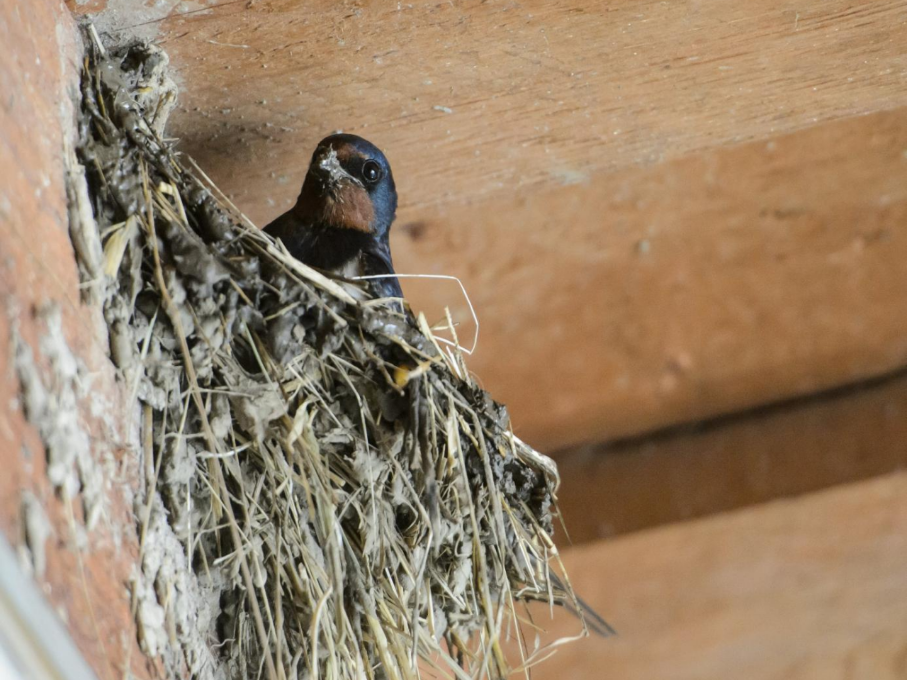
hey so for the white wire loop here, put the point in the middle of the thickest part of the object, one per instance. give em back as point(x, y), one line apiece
point(438, 276)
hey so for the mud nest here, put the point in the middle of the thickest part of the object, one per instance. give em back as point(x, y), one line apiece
point(326, 492)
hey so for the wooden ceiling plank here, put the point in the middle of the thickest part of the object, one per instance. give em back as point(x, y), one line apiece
point(672, 293)
point(811, 587)
point(784, 450)
point(472, 100)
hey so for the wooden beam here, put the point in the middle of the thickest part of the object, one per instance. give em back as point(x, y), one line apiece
point(473, 100)
point(784, 450)
point(812, 587)
point(672, 293)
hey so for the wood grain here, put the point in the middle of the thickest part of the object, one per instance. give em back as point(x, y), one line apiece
point(777, 451)
point(671, 293)
point(812, 587)
point(474, 99)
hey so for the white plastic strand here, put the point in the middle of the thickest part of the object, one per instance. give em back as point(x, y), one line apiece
point(438, 276)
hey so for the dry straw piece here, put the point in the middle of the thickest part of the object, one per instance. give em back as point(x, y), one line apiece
point(326, 492)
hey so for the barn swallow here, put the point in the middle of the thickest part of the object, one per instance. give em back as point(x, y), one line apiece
point(343, 214)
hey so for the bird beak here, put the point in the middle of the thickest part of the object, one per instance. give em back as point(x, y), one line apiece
point(331, 172)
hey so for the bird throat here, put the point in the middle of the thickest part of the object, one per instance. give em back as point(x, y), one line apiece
point(348, 207)
point(343, 205)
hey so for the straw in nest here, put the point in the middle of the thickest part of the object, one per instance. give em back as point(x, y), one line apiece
point(326, 492)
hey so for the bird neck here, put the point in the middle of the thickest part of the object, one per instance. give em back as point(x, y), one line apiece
point(344, 206)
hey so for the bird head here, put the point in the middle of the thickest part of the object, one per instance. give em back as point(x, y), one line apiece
point(349, 185)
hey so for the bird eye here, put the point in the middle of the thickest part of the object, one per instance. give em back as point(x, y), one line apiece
point(371, 171)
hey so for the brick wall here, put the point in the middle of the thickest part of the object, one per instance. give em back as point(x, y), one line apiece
point(69, 465)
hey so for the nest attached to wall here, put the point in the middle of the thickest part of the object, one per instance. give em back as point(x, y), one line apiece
point(326, 491)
